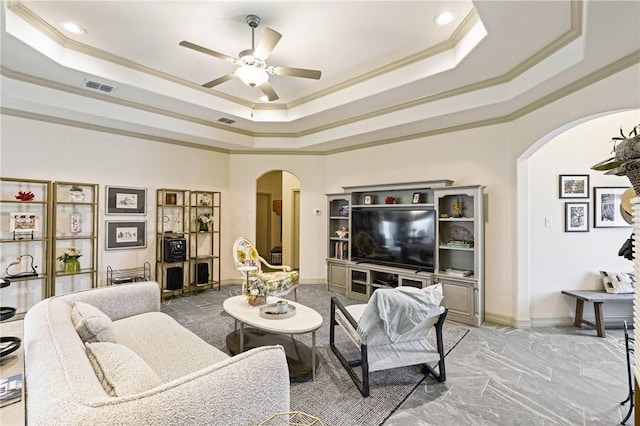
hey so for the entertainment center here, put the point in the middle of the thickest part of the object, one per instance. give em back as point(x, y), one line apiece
point(409, 234)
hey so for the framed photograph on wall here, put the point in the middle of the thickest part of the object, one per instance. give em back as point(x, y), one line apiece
point(576, 217)
point(122, 234)
point(368, 199)
point(126, 200)
point(606, 207)
point(574, 186)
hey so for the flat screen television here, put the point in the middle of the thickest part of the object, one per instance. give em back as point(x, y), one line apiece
point(394, 236)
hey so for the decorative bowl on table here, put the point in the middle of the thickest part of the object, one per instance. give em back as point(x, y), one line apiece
point(270, 311)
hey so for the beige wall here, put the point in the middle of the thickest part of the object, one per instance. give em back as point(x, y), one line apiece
point(494, 155)
point(40, 150)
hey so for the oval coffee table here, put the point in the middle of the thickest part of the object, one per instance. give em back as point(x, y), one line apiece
point(300, 358)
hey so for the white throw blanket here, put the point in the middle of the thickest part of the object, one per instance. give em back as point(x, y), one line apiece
point(401, 310)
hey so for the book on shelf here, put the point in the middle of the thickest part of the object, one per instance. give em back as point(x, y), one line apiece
point(10, 389)
point(459, 244)
point(459, 272)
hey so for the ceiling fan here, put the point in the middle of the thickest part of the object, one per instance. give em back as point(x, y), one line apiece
point(253, 69)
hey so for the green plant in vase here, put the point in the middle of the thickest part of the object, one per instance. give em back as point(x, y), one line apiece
point(70, 259)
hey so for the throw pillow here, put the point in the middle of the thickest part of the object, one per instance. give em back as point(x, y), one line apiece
point(91, 323)
point(120, 370)
point(618, 282)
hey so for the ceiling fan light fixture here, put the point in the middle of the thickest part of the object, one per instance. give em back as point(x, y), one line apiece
point(252, 76)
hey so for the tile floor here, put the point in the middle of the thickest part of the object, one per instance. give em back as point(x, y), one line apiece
point(544, 376)
point(504, 376)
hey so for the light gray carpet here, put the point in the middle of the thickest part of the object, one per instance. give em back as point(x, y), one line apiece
point(332, 397)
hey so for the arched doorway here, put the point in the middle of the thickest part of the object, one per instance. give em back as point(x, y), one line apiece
point(278, 217)
point(572, 148)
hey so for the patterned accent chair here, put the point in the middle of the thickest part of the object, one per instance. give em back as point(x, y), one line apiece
point(280, 282)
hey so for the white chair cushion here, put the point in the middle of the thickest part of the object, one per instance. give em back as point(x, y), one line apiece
point(121, 371)
point(91, 324)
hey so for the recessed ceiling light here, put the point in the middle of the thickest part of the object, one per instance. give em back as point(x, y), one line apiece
point(444, 18)
point(72, 27)
point(264, 98)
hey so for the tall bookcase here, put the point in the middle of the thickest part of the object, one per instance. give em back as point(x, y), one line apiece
point(188, 250)
point(172, 240)
point(460, 253)
point(25, 237)
point(459, 249)
point(75, 224)
point(338, 243)
point(204, 253)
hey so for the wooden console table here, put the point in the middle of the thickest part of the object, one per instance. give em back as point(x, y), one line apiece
point(598, 297)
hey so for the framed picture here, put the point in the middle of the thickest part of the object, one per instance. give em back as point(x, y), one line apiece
point(606, 207)
point(574, 186)
point(368, 199)
point(170, 199)
point(416, 198)
point(126, 200)
point(23, 223)
point(576, 217)
point(126, 234)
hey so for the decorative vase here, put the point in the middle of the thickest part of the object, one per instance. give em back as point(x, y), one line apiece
point(76, 194)
point(76, 222)
point(204, 227)
point(72, 265)
point(257, 300)
point(205, 200)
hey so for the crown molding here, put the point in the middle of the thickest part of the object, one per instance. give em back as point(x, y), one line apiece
point(611, 69)
point(105, 129)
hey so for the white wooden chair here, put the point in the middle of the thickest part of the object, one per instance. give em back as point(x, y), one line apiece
point(391, 331)
point(280, 282)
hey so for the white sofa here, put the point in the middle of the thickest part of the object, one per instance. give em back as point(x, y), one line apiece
point(156, 373)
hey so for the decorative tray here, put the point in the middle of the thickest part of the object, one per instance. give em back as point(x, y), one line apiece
point(270, 311)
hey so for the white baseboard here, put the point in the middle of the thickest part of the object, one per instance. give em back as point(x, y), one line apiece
point(609, 321)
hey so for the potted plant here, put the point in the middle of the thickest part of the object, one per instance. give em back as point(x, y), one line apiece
point(626, 161)
point(69, 259)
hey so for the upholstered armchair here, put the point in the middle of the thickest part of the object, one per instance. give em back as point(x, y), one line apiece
point(280, 282)
point(391, 331)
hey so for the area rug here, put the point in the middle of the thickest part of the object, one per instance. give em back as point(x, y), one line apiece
point(332, 397)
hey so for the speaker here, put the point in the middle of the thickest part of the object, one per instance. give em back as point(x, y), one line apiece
point(174, 278)
point(175, 249)
point(202, 273)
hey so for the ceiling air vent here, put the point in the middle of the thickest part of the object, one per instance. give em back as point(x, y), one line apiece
point(99, 86)
point(226, 120)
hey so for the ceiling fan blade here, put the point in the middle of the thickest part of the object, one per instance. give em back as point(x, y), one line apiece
point(204, 50)
point(268, 91)
point(266, 44)
point(297, 72)
point(219, 80)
